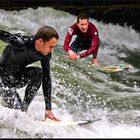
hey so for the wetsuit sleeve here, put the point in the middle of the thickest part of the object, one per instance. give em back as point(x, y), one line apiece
point(94, 43)
point(15, 40)
point(46, 83)
point(67, 40)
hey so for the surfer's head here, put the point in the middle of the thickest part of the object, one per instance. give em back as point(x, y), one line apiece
point(46, 40)
point(82, 22)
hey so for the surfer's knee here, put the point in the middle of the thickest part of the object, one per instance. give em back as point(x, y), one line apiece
point(11, 99)
point(38, 74)
point(35, 74)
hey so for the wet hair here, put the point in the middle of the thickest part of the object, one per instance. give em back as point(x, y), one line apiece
point(82, 16)
point(46, 33)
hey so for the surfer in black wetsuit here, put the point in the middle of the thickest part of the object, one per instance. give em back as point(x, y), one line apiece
point(15, 71)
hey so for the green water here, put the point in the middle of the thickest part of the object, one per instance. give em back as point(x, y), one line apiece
point(2, 46)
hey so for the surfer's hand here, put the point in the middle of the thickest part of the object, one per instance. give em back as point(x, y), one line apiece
point(95, 62)
point(71, 52)
point(49, 115)
point(73, 56)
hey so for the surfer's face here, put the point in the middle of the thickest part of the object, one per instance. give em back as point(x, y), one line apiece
point(46, 47)
point(83, 25)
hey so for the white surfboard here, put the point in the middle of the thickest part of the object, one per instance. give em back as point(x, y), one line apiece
point(65, 123)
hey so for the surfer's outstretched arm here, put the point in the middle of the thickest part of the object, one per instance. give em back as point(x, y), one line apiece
point(4, 36)
point(12, 39)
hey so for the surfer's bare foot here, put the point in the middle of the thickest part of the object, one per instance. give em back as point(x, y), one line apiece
point(50, 115)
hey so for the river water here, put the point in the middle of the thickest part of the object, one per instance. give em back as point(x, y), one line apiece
point(78, 91)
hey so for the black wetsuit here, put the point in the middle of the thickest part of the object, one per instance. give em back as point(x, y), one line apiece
point(15, 71)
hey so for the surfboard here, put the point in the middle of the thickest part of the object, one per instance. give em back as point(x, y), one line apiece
point(66, 123)
point(113, 68)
